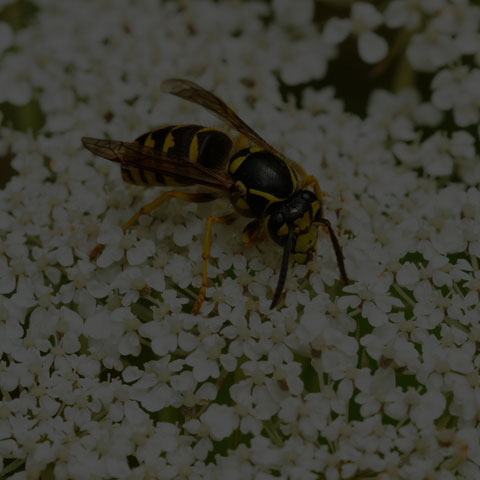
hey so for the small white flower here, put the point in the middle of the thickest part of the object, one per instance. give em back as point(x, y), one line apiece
point(16, 89)
point(371, 47)
point(374, 390)
point(98, 326)
point(429, 407)
point(111, 236)
point(457, 89)
point(139, 253)
point(409, 14)
point(125, 325)
point(408, 275)
point(298, 67)
point(179, 270)
point(336, 30)
point(6, 36)
point(373, 292)
point(298, 14)
point(24, 293)
point(431, 50)
point(221, 420)
point(164, 334)
point(203, 359)
point(437, 159)
point(7, 278)
point(364, 18)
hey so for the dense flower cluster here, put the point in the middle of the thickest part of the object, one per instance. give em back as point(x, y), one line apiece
point(105, 373)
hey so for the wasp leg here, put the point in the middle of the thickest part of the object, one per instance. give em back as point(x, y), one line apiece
point(337, 249)
point(207, 243)
point(254, 233)
point(149, 207)
point(311, 180)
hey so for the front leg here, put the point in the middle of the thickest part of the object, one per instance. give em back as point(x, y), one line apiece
point(254, 232)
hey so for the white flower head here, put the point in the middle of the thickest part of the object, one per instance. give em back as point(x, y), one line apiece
point(104, 369)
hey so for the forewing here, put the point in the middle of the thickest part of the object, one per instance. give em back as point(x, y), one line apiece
point(195, 93)
point(192, 92)
point(147, 158)
point(103, 148)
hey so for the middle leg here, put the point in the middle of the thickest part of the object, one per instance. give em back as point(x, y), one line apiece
point(149, 207)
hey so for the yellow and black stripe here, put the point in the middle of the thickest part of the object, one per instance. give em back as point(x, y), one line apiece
point(186, 143)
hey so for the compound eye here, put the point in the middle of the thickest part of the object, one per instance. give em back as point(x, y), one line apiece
point(278, 219)
point(308, 196)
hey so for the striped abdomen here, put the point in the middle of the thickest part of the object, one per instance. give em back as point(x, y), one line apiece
point(186, 143)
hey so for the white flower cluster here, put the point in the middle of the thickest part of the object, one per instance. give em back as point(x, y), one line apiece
point(105, 373)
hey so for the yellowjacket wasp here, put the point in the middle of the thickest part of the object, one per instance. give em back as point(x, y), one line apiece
point(260, 182)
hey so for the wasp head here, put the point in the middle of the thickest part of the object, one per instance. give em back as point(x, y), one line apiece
point(293, 224)
point(298, 217)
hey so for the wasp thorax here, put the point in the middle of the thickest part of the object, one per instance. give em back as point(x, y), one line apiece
point(261, 179)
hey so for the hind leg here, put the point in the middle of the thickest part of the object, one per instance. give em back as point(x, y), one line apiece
point(149, 207)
